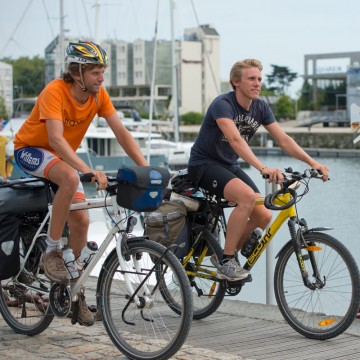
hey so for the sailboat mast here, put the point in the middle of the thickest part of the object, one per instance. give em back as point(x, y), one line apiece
point(174, 74)
point(61, 38)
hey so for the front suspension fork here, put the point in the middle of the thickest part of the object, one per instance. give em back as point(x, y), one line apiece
point(298, 242)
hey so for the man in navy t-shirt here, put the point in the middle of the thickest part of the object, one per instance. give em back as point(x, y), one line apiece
point(230, 122)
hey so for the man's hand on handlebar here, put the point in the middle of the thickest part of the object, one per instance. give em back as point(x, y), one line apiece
point(94, 176)
point(273, 175)
point(322, 169)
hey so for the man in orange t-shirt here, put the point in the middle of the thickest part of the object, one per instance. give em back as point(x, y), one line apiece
point(46, 145)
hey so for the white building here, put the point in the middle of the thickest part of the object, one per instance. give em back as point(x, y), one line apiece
point(6, 86)
point(128, 78)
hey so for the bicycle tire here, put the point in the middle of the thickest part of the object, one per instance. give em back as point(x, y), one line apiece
point(21, 306)
point(321, 313)
point(156, 331)
point(207, 294)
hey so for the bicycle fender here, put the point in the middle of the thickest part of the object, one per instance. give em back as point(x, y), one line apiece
point(318, 229)
point(285, 245)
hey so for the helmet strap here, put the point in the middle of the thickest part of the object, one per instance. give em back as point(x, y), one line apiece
point(81, 82)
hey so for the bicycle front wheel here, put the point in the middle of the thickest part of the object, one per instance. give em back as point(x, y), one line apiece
point(24, 303)
point(327, 307)
point(144, 328)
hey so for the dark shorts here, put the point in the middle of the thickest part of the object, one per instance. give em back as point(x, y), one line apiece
point(214, 178)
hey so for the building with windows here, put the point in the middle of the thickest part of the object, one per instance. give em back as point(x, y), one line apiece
point(128, 78)
point(323, 70)
point(6, 86)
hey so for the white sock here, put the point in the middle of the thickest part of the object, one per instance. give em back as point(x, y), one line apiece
point(52, 244)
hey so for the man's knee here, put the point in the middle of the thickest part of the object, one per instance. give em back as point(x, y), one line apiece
point(79, 220)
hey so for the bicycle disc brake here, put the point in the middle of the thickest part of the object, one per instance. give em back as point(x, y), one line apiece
point(60, 300)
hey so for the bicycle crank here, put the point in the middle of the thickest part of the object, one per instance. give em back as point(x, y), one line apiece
point(60, 300)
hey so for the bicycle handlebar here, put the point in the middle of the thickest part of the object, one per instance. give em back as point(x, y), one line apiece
point(291, 176)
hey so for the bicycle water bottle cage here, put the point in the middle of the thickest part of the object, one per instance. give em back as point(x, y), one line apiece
point(270, 199)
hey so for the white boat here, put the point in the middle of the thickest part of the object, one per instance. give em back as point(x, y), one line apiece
point(101, 141)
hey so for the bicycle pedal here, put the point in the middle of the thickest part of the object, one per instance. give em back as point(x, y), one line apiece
point(239, 282)
point(248, 279)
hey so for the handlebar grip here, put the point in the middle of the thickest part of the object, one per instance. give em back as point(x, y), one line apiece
point(86, 177)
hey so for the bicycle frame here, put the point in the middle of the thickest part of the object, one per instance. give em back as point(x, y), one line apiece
point(113, 233)
point(257, 252)
point(272, 228)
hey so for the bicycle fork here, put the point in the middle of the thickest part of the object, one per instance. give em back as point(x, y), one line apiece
point(299, 243)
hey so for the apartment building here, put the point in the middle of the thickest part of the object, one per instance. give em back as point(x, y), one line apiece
point(129, 76)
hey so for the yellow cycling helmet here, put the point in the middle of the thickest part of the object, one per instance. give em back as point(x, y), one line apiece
point(85, 52)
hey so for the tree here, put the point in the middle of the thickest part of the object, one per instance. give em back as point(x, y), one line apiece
point(280, 79)
point(284, 108)
point(192, 118)
point(3, 112)
point(28, 76)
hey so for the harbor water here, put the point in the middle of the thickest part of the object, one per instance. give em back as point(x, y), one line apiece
point(334, 204)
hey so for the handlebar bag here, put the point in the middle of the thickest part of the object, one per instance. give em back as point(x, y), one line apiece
point(141, 188)
point(169, 225)
point(9, 246)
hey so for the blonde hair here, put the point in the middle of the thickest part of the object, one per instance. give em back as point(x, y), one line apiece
point(236, 70)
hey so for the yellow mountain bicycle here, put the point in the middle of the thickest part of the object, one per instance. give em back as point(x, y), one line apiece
point(316, 279)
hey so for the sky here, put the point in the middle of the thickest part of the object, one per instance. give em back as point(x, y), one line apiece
point(277, 32)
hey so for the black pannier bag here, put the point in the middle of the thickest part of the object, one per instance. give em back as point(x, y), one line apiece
point(169, 225)
point(21, 196)
point(9, 246)
point(141, 188)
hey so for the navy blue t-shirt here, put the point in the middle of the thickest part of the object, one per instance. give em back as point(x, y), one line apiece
point(211, 146)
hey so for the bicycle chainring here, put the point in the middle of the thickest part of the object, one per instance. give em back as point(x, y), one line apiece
point(60, 300)
point(234, 287)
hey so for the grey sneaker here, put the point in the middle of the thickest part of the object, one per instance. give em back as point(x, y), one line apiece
point(54, 267)
point(232, 271)
point(217, 263)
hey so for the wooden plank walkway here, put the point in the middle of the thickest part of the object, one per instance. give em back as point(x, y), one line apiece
point(238, 330)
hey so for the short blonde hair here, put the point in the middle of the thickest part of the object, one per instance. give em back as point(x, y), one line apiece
point(236, 70)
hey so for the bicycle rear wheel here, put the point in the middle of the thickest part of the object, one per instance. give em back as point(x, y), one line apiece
point(150, 329)
point(208, 294)
point(24, 302)
point(330, 308)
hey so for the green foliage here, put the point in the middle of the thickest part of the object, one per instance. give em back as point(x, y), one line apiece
point(280, 79)
point(305, 97)
point(327, 98)
point(28, 75)
point(191, 118)
point(3, 112)
point(284, 108)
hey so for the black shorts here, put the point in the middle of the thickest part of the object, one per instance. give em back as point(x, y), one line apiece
point(214, 178)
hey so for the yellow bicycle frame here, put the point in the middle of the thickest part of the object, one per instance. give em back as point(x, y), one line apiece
point(273, 228)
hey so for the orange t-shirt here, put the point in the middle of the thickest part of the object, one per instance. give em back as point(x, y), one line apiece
point(56, 102)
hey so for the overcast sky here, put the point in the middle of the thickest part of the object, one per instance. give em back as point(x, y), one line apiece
point(278, 32)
